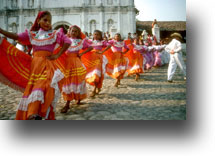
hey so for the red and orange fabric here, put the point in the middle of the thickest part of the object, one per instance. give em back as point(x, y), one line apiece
point(94, 64)
point(74, 86)
point(117, 64)
point(14, 66)
point(135, 65)
point(39, 79)
point(42, 90)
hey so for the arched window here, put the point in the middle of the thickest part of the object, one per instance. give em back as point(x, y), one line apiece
point(92, 2)
point(14, 27)
point(110, 24)
point(109, 2)
point(30, 3)
point(29, 25)
point(92, 26)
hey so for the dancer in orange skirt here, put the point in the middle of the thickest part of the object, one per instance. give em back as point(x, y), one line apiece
point(74, 87)
point(136, 59)
point(95, 62)
point(117, 63)
point(42, 89)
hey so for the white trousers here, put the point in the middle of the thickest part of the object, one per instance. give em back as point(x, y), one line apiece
point(176, 60)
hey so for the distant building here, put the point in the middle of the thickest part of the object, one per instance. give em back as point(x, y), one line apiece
point(166, 28)
point(120, 15)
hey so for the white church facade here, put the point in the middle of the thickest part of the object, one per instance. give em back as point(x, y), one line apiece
point(105, 15)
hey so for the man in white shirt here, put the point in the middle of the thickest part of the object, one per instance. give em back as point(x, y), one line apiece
point(176, 59)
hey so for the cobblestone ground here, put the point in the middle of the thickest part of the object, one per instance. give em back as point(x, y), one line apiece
point(151, 98)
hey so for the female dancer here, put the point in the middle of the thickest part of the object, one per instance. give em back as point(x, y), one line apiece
point(144, 52)
point(44, 78)
point(157, 54)
point(117, 63)
point(135, 65)
point(95, 62)
point(74, 87)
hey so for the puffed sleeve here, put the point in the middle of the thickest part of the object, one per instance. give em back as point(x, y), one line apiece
point(105, 44)
point(111, 42)
point(62, 38)
point(86, 44)
point(125, 46)
point(145, 48)
point(24, 38)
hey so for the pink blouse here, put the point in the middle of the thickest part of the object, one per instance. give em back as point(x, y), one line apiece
point(98, 45)
point(77, 45)
point(117, 46)
point(43, 40)
point(139, 48)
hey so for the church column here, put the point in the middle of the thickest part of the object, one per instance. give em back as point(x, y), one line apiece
point(5, 17)
point(84, 17)
point(119, 20)
point(119, 16)
point(132, 3)
point(83, 20)
point(21, 17)
point(119, 2)
point(132, 20)
point(102, 19)
point(37, 4)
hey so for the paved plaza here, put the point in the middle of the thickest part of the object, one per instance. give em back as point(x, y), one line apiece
point(151, 98)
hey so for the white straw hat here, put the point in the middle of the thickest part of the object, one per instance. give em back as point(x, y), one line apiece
point(177, 35)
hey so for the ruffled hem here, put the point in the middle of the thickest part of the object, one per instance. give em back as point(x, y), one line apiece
point(93, 73)
point(104, 64)
point(75, 88)
point(37, 95)
point(58, 76)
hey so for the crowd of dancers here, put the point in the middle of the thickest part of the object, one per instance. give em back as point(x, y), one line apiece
point(64, 63)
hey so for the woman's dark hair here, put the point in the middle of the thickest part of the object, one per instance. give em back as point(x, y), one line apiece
point(40, 15)
point(100, 34)
point(70, 30)
point(119, 36)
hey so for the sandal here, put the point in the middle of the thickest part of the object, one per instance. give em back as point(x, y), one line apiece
point(93, 94)
point(78, 102)
point(98, 90)
point(137, 77)
point(65, 109)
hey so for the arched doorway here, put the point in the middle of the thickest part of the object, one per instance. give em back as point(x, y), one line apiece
point(64, 25)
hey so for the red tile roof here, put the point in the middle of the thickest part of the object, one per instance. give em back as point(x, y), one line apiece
point(164, 25)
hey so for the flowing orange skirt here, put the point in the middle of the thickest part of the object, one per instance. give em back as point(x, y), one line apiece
point(14, 66)
point(43, 89)
point(117, 64)
point(95, 65)
point(135, 65)
point(39, 79)
point(74, 86)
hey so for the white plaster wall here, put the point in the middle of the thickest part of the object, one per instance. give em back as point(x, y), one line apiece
point(75, 15)
point(61, 3)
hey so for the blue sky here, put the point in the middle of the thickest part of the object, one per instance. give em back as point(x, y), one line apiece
point(162, 10)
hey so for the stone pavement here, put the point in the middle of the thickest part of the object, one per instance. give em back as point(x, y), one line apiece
point(151, 98)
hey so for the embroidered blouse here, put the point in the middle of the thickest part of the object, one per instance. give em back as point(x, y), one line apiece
point(77, 45)
point(117, 46)
point(98, 45)
point(139, 48)
point(43, 40)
